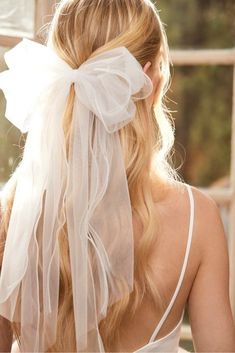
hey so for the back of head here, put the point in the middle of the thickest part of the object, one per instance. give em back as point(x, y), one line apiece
point(82, 29)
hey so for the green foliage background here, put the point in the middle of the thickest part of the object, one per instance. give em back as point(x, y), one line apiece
point(202, 96)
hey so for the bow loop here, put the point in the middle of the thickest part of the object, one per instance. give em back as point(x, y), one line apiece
point(34, 70)
point(115, 75)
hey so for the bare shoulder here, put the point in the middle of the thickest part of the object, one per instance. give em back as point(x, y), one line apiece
point(208, 225)
point(208, 302)
point(204, 202)
point(174, 195)
point(208, 229)
point(209, 239)
point(205, 206)
point(206, 211)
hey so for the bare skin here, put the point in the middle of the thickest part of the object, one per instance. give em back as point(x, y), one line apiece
point(204, 289)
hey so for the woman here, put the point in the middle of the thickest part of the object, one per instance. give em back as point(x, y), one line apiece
point(180, 250)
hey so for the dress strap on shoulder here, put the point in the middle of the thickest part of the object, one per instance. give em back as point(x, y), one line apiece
point(190, 233)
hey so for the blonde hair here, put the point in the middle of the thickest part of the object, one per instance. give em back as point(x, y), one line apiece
point(79, 30)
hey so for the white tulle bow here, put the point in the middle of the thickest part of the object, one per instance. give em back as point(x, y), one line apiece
point(86, 189)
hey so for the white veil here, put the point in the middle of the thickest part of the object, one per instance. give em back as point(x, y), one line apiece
point(88, 189)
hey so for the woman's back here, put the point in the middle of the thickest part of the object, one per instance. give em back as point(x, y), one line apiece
point(175, 261)
point(181, 262)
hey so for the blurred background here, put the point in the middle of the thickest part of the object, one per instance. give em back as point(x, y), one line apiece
point(200, 98)
point(202, 95)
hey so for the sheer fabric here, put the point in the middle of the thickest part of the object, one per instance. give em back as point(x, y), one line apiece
point(88, 188)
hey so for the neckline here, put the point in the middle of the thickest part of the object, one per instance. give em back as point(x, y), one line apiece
point(150, 343)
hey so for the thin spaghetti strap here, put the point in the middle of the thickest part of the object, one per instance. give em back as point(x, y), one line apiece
point(190, 232)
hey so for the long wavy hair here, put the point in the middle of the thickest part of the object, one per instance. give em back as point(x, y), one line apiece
point(81, 29)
